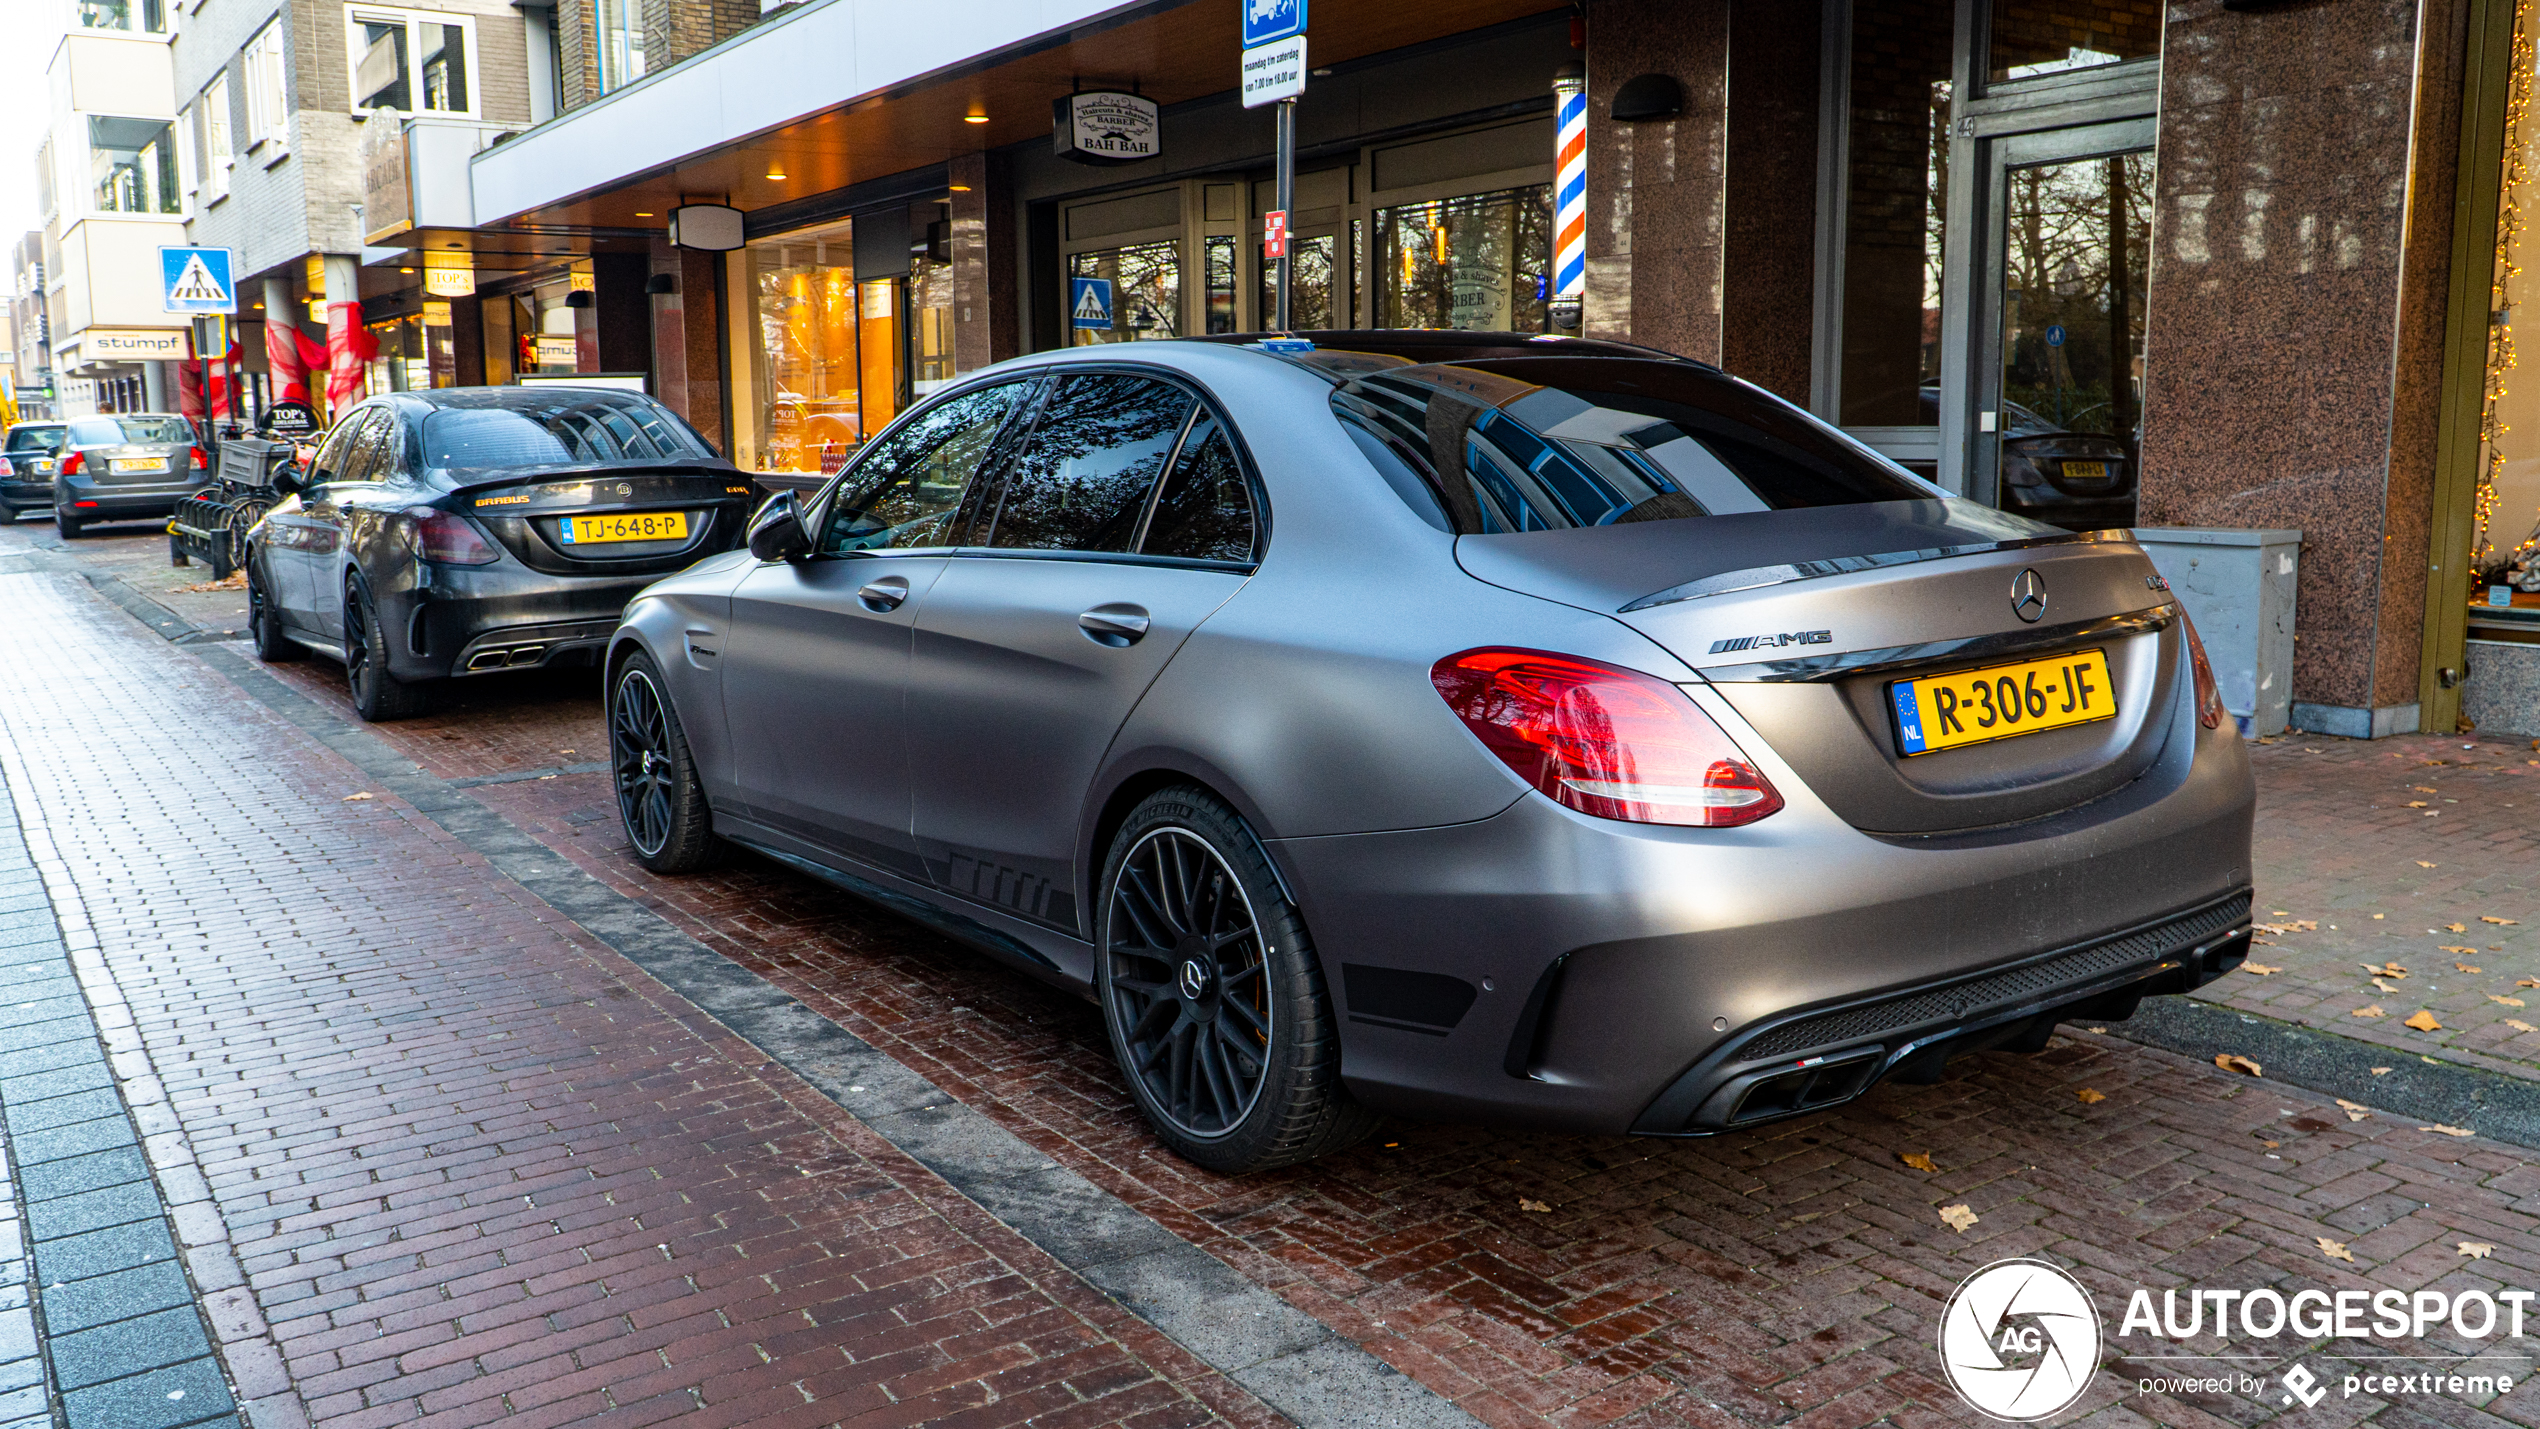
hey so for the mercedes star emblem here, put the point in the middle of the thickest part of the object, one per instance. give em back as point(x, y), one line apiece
point(2028, 596)
point(1194, 979)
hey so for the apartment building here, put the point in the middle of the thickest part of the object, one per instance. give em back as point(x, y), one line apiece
point(30, 356)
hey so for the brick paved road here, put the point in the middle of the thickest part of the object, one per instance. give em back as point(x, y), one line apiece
point(1787, 1277)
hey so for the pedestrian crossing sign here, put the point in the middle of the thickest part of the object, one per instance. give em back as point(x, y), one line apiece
point(1089, 302)
point(197, 280)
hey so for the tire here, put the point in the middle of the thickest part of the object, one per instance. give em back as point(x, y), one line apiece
point(661, 803)
point(378, 696)
point(264, 623)
point(1243, 1074)
point(68, 526)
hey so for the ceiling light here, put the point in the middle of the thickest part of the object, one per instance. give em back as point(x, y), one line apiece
point(974, 119)
point(776, 170)
point(405, 270)
point(960, 188)
point(639, 213)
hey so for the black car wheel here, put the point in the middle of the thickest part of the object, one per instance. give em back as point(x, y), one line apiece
point(378, 696)
point(264, 622)
point(1211, 991)
point(659, 798)
point(67, 524)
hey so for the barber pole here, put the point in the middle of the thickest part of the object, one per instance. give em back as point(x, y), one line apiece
point(1569, 212)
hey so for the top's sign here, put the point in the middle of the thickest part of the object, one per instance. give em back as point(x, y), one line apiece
point(1267, 20)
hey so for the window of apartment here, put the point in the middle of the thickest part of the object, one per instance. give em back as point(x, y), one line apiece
point(148, 16)
point(268, 89)
point(132, 165)
point(44, 177)
point(212, 118)
point(621, 43)
point(411, 62)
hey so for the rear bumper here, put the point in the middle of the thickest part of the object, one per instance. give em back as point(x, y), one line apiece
point(457, 621)
point(119, 501)
point(1548, 968)
point(27, 493)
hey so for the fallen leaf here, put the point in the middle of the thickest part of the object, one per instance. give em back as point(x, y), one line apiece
point(2234, 1062)
point(2527, 982)
point(2382, 1071)
point(2499, 922)
point(1919, 1160)
point(2416, 803)
point(2377, 917)
point(2334, 1249)
point(2464, 951)
point(2372, 1011)
point(2271, 1145)
point(1957, 1218)
point(2090, 1097)
point(2423, 1021)
point(2350, 1106)
point(2425, 788)
point(2359, 1116)
point(2519, 1025)
point(2379, 986)
point(357, 798)
point(1538, 1207)
point(2384, 969)
point(2477, 1249)
point(2261, 969)
point(2449, 1130)
point(2456, 927)
point(2421, 863)
point(2464, 967)
point(2504, 1001)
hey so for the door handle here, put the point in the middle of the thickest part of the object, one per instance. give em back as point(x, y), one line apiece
point(1118, 626)
point(884, 594)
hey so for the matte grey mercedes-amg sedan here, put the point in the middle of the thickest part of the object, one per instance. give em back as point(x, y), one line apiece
point(1455, 725)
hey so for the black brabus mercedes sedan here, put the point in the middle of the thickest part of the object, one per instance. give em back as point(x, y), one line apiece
point(465, 531)
point(1454, 725)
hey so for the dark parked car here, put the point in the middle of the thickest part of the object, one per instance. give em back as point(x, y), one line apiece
point(464, 531)
point(2078, 480)
point(1454, 724)
point(26, 468)
point(130, 467)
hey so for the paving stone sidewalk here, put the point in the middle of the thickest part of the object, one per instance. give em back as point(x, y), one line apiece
point(1788, 1277)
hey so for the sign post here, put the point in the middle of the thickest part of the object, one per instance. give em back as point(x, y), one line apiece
point(1274, 73)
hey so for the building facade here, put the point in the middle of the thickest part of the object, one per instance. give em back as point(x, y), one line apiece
point(30, 346)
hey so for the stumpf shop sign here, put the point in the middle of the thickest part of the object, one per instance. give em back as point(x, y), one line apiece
point(1105, 128)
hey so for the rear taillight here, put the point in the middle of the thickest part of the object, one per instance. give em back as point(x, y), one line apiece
point(2209, 705)
point(200, 461)
point(6, 469)
point(449, 539)
point(72, 463)
point(1605, 741)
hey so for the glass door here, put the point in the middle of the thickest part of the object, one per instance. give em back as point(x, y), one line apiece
point(2058, 365)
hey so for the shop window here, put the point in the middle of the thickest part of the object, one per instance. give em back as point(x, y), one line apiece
point(413, 63)
point(132, 165)
point(1220, 260)
point(1896, 187)
point(1321, 273)
point(930, 325)
point(829, 355)
point(2035, 37)
point(1481, 263)
point(1146, 290)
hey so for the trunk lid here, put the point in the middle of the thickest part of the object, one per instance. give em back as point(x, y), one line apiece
point(530, 512)
point(1802, 620)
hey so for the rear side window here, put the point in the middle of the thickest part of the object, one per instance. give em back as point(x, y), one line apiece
point(34, 439)
point(1095, 453)
point(905, 488)
point(1550, 443)
point(113, 431)
point(1204, 512)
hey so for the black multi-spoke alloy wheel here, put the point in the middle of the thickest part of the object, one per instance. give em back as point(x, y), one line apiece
point(659, 799)
point(264, 621)
point(378, 696)
point(1211, 991)
point(69, 526)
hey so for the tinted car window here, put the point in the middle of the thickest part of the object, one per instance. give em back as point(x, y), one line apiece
point(34, 439)
point(114, 431)
point(361, 458)
point(337, 448)
point(1205, 510)
point(1545, 443)
point(558, 428)
point(907, 486)
point(1082, 481)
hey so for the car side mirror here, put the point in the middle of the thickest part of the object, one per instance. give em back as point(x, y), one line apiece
point(287, 482)
point(777, 532)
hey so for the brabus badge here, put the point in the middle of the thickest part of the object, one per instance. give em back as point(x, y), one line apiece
point(500, 500)
point(1772, 642)
point(2156, 583)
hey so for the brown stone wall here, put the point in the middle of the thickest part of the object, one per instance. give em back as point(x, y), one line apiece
point(673, 30)
point(2295, 317)
point(1768, 259)
point(986, 310)
point(687, 339)
point(1656, 195)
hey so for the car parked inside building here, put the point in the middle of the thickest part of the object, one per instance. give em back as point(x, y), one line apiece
point(464, 531)
point(26, 468)
point(129, 466)
point(1454, 724)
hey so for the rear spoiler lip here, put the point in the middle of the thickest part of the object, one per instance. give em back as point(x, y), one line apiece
point(526, 475)
point(1758, 577)
point(1807, 669)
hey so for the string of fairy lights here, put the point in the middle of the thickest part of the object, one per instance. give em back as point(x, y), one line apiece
point(2500, 332)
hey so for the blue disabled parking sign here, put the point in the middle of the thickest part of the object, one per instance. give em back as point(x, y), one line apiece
point(1267, 20)
point(197, 280)
point(1089, 302)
